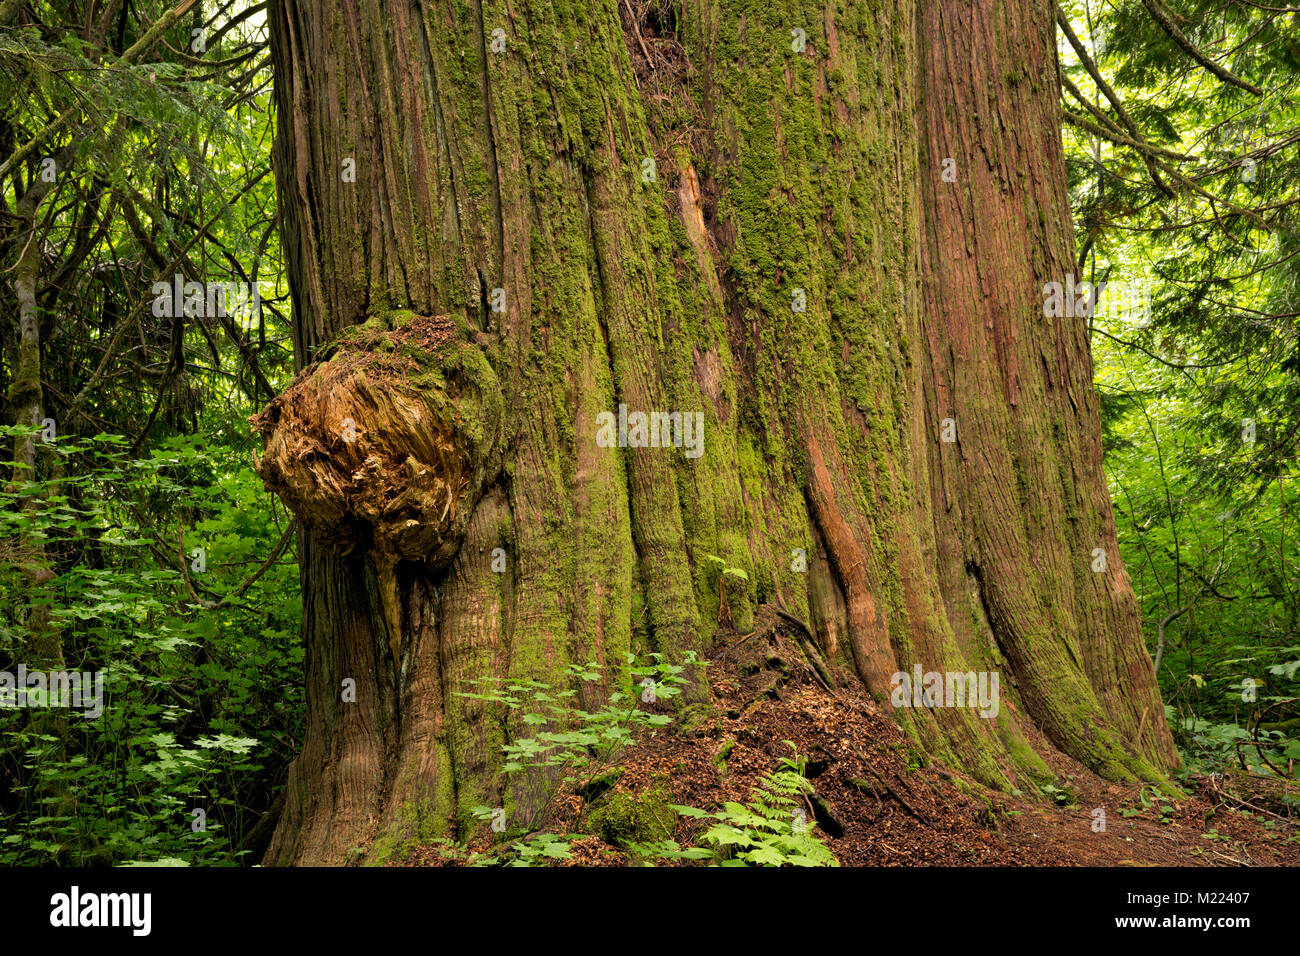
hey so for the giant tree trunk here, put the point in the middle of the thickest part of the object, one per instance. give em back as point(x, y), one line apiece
point(427, 176)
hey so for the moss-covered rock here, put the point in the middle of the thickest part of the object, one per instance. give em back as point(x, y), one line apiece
point(623, 819)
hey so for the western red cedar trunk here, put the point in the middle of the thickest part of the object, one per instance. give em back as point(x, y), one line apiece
point(827, 227)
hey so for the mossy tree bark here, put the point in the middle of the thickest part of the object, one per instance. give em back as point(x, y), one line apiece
point(44, 649)
point(649, 202)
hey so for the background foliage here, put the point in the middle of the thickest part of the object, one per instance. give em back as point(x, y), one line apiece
point(1200, 396)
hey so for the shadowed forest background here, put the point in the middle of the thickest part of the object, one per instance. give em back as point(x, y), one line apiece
point(138, 540)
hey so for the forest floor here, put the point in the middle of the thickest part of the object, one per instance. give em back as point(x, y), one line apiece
point(875, 807)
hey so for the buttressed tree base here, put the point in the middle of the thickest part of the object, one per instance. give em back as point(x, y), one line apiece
point(825, 226)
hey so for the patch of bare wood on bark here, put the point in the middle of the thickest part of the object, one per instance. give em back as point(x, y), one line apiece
point(692, 216)
point(868, 631)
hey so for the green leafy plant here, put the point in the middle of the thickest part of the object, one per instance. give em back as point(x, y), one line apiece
point(1148, 798)
point(772, 829)
point(199, 677)
point(573, 749)
point(1062, 796)
point(538, 849)
point(725, 571)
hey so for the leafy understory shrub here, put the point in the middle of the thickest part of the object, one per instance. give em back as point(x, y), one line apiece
point(537, 849)
point(200, 661)
point(1247, 717)
point(772, 829)
point(1150, 797)
point(1066, 796)
point(573, 749)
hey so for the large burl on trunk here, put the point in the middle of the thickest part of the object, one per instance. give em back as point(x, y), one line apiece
point(825, 226)
point(386, 445)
